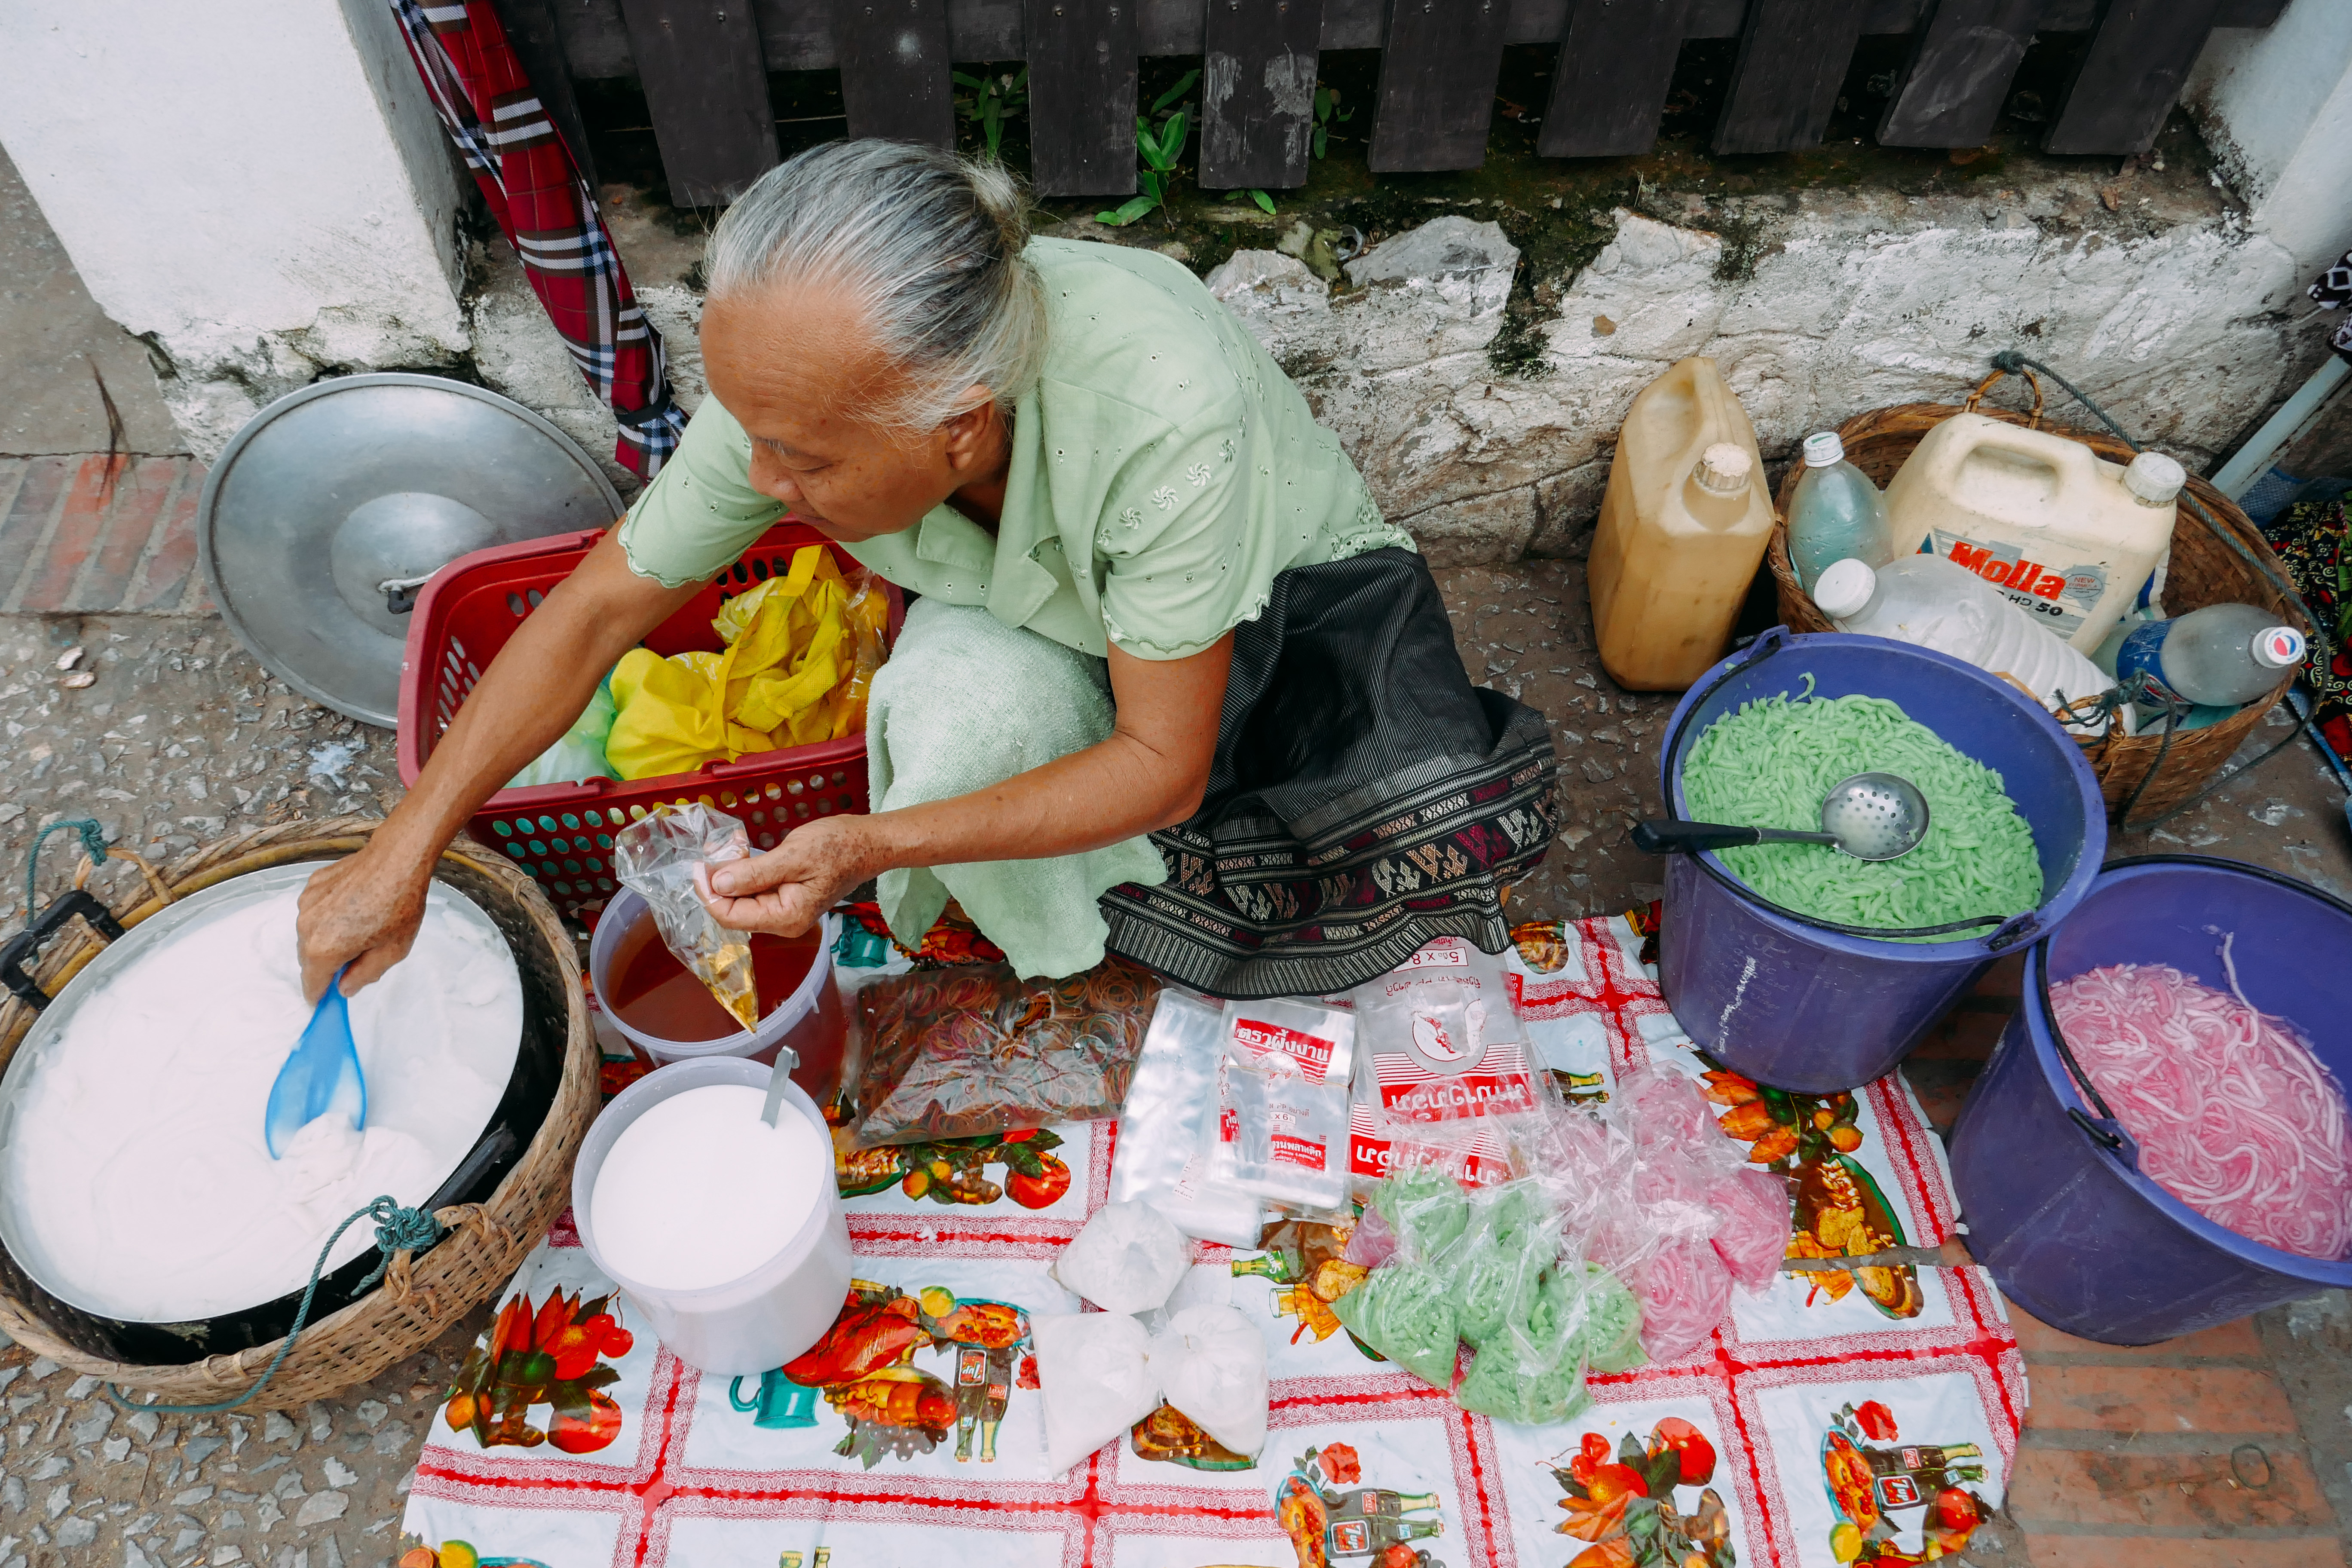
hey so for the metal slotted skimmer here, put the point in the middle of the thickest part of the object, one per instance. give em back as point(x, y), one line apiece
point(1871, 817)
point(335, 503)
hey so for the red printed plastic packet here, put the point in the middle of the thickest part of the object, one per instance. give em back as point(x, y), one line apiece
point(1282, 1100)
point(1440, 1041)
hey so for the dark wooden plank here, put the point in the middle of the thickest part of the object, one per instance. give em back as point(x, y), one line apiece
point(1963, 60)
point(1437, 84)
point(795, 35)
point(531, 28)
point(1172, 26)
point(981, 30)
point(1081, 97)
point(1616, 65)
point(706, 87)
point(595, 39)
point(1258, 93)
point(2127, 79)
point(1784, 84)
point(894, 69)
point(1354, 24)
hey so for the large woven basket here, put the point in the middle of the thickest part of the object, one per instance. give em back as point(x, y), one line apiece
point(2205, 570)
point(421, 1296)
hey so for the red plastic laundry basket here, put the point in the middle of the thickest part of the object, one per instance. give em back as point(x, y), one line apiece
point(561, 833)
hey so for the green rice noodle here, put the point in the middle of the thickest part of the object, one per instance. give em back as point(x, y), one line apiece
point(1770, 764)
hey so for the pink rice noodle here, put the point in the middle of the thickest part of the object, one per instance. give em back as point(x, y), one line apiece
point(1686, 1291)
point(2233, 1114)
point(1752, 1208)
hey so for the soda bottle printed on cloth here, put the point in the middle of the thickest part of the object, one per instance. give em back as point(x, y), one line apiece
point(2222, 656)
point(1836, 514)
point(1683, 523)
point(1930, 603)
point(2071, 539)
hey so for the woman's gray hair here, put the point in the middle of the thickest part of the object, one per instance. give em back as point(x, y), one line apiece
point(927, 243)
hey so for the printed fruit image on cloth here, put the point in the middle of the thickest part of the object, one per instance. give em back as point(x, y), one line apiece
point(1837, 1208)
point(864, 1368)
point(1330, 1521)
point(548, 1355)
point(415, 1553)
point(1623, 1500)
point(955, 1170)
point(1896, 1502)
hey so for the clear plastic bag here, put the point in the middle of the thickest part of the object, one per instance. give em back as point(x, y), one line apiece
point(656, 857)
point(1511, 1241)
point(1425, 1209)
point(1125, 1258)
point(1167, 1127)
point(1439, 1040)
point(1405, 1312)
point(1210, 1362)
point(1530, 1369)
point(1094, 1373)
point(974, 1050)
point(579, 753)
point(1753, 1233)
point(1281, 1101)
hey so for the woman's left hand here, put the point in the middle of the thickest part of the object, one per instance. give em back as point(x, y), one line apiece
point(788, 890)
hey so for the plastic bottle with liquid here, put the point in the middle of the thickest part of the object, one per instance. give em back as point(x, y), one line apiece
point(1682, 525)
point(2220, 656)
point(1837, 514)
point(1931, 603)
point(2071, 539)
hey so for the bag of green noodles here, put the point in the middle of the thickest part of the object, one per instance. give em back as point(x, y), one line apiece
point(1405, 1312)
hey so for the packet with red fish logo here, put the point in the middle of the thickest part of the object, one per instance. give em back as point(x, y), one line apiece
point(1282, 1100)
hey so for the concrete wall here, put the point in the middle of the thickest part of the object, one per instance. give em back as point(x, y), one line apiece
point(2275, 105)
point(259, 186)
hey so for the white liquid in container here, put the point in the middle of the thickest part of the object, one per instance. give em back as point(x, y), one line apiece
point(698, 1191)
point(136, 1182)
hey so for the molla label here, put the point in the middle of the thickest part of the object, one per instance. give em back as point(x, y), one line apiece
point(2058, 593)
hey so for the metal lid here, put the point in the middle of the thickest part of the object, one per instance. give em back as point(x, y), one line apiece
point(335, 497)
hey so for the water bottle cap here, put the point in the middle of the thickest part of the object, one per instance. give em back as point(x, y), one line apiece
point(1844, 587)
point(2154, 478)
point(2278, 647)
point(1822, 449)
point(1724, 467)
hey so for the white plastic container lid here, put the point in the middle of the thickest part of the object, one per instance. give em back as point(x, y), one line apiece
point(1824, 448)
point(2154, 478)
point(1844, 586)
point(1724, 467)
point(2278, 647)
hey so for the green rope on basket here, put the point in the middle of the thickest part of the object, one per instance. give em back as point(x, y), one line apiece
point(93, 840)
point(396, 1229)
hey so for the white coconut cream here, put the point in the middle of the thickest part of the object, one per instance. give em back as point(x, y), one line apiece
point(136, 1179)
point(698, 1191)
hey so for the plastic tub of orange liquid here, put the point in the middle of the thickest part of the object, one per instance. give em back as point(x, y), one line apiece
point(668, 1015)
point(1683, 526)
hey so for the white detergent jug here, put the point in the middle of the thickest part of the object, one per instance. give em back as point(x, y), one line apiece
point(1683, 523)
point(2067, 537)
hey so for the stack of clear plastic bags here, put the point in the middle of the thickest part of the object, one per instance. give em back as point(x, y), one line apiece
point(1168, 1128)
point(659, 857)
point(1281, 1101)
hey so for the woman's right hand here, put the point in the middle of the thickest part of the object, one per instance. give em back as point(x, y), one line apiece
point(363, 910)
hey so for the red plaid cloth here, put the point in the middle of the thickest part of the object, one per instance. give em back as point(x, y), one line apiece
point(534, 189)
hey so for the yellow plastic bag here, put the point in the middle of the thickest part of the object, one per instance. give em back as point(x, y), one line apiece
point(800, 651)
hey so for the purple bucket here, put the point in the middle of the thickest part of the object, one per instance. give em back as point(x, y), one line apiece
point(2071, 1229)
point(1809, 1005)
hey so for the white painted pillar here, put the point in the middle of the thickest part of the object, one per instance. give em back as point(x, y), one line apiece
point(2275, 105)
point(261, 186)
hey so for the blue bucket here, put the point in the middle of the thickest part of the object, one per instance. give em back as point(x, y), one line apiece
point(2055, 1202)
point(1811, 1005)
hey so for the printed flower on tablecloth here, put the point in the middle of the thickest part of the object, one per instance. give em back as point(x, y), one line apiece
point(1623, 1500)
point(1871, 1487)
point(548, 1355)
point(1837, 1208)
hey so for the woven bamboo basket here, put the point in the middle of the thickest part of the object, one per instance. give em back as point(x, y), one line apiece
point(421, 1296)
point(2205, 570)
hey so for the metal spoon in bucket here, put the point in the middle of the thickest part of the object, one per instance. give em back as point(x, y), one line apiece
point(1871, 817)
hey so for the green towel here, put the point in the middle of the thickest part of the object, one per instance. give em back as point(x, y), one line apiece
point(967, 702)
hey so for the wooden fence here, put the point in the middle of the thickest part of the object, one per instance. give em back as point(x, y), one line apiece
point(703, 64)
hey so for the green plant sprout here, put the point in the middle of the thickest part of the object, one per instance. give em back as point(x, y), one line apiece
point(993, 99)
point(1160, 150)
point(1326, 101)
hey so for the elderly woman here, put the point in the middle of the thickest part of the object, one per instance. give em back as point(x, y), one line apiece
point(1168, 684)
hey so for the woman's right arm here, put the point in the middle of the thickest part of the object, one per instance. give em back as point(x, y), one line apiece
point(364, 911)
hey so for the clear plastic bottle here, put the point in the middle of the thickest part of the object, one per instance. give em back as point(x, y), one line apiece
point(1837, 514)
point(1927, 601)
point(2222, 655)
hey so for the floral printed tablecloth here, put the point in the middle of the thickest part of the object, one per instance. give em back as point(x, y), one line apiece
point(1867, 1415)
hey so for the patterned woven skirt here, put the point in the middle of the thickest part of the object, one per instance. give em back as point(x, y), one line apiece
point(1364, 799)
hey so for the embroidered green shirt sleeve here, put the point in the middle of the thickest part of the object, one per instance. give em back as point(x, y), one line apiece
point(1163, 472)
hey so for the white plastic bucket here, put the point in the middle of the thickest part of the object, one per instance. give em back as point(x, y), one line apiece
point(781, 1305)
point(802, 1020)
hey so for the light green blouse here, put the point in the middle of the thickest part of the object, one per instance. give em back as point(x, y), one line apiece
point(1164, 470)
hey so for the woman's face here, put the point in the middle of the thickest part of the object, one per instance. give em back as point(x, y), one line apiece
point(797, 368)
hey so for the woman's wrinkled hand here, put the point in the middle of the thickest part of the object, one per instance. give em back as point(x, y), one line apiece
point(363, 910)
point(788, 890)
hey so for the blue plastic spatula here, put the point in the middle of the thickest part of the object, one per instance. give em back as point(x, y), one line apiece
point(322, 1074)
